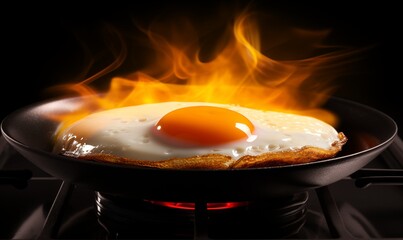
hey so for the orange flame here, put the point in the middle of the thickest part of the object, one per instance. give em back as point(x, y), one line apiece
point(237, 72)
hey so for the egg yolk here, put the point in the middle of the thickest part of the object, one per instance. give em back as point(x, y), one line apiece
point(204, 126)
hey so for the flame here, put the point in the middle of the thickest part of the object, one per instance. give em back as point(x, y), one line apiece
point(192, 206)
point(236, 71)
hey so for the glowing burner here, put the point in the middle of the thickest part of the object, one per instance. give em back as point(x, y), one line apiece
point(191, 206)
point(125, 216)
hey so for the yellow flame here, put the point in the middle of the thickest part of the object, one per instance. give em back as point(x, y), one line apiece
point(237, 73)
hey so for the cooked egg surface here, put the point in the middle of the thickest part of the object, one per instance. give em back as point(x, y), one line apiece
point(162, 131)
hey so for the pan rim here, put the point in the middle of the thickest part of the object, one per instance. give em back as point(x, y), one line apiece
point(11, 139)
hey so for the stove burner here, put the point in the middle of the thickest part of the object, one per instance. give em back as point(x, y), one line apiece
point(191, 206)
point(126, 217)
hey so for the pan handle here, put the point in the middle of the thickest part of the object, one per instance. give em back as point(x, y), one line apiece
point(365, 177)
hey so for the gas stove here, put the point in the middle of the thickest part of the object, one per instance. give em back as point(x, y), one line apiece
point(365, 205)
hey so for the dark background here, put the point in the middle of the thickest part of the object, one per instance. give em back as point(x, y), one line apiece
point(43, 43)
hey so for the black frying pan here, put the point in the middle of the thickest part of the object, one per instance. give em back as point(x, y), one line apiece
point(369, 132)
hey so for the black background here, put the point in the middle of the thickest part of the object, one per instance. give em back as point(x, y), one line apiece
point(42, 43)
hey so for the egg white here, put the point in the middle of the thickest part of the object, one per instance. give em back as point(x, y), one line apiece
point(127, 132)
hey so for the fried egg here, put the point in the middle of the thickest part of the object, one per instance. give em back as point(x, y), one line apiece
point(174, 130)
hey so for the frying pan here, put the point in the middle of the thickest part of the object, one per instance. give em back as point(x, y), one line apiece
point(369, 132)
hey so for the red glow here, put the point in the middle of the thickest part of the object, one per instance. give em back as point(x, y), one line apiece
point(191, 206)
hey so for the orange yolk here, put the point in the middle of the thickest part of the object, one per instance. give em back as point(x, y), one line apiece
point(204, 126)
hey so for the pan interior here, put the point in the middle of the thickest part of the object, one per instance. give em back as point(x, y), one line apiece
point(364, 127)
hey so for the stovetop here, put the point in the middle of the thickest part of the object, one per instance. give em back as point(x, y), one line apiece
point(365, 205)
